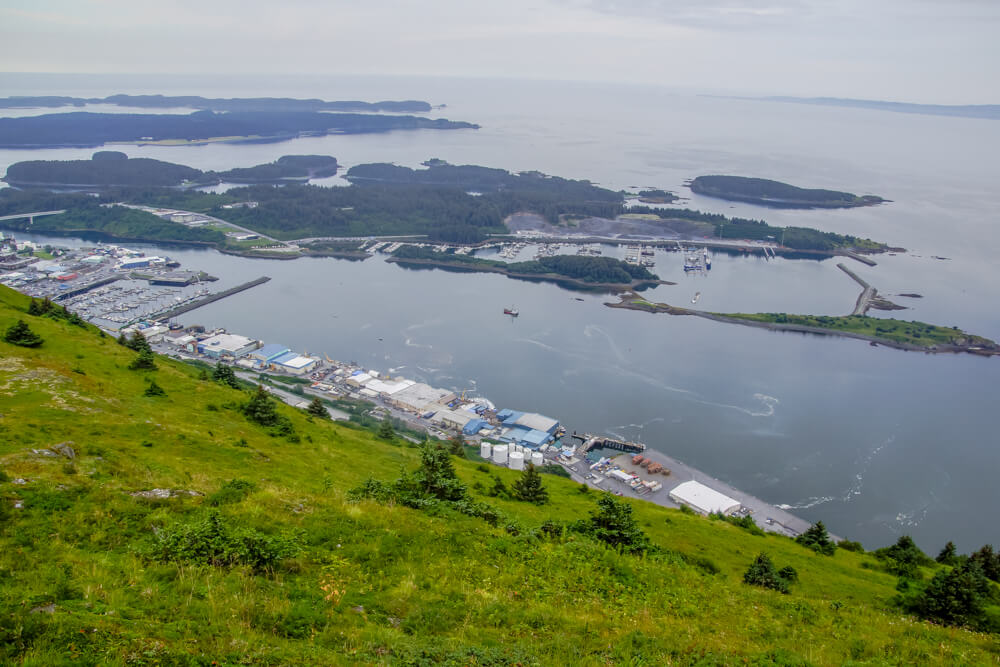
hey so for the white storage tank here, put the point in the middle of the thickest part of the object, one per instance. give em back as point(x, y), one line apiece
point(537, 459)
point(517, 461)
point(500, 455)
point(485, 450)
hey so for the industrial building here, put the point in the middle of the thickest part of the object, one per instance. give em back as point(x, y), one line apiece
point(230, 345)
point(702, 499)
point(290, 362)
point(268, 353)
point(526, 429)
point(418, 398)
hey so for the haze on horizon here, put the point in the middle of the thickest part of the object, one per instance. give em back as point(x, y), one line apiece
point(924, 51)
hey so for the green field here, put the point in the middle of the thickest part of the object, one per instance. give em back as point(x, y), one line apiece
point(284, 568)
point(900, 331)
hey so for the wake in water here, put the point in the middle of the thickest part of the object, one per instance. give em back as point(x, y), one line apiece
point(852, 491)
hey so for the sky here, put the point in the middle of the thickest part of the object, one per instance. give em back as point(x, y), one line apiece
point(930, 51)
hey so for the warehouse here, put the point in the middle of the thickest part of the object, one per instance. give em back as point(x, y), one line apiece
point(290, 362)
point(269, 353)
point(699, 497)
point(231, 345)
point(419, 398)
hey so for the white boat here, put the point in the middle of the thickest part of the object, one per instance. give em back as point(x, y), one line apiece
point(697, 295)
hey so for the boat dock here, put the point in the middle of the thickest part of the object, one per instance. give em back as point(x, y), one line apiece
point(601, 442)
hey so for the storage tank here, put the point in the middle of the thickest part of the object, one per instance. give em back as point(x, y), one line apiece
point(500, 455)
point(485, 450)
point(537, 459)
point(517, 461)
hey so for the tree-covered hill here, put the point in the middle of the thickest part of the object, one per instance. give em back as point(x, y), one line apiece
point(104, 169)
point(81, 128)
point(150, 514)
point(777, 194)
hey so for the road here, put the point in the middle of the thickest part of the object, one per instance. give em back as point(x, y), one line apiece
point(31, 215)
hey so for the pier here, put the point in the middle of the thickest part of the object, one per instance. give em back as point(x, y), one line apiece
point(601, 442)
point(211, 298)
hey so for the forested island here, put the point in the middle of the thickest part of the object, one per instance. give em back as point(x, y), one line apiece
point(457, 204)
point(84, 129)
point(572, 270)
point(215, 104)
point(108, 169)
point(776, 194)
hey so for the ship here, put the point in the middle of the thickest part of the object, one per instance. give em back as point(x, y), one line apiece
point(510, 311)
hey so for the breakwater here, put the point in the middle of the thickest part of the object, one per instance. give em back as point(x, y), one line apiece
point(198, 303)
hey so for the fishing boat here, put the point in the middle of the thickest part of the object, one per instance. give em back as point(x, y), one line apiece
point(510, 311)
point(697, 295)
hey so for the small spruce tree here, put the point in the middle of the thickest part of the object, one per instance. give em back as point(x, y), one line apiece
point(948, 555)
point(138, 342)
point(146, 361)
point(317, 409)
point(817, 539)
point(224, 374)
point(613, 523)
point(456, 446)
point(154, 389)
point(385, 430)
point(260, 409)
point(529, 487)
point(22, 335)
point(763, 573)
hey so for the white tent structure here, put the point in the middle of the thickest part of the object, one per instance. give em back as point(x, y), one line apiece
point(699, 497)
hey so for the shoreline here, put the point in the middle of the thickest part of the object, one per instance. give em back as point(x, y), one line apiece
point(615, 288)
point(626, 303)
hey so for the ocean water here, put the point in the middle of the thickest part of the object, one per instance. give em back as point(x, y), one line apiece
point(874, 442)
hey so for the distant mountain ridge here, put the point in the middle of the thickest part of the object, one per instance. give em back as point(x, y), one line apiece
point(987, 111)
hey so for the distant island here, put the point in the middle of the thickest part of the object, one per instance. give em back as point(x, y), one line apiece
point(776, 194)
point(84, 129)
point(110, 169)
point(214, 104)
point(987, 111)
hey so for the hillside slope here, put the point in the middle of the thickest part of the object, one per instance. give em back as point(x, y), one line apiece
point(283, 568)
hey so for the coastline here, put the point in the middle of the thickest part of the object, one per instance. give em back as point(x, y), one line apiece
point(628, 302)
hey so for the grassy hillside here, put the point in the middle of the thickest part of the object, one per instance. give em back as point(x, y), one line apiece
point(283, 568)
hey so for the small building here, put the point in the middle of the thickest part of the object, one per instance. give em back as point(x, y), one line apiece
point(231, 345)
point(702, 499)
point(455, 419)
point(474, 426)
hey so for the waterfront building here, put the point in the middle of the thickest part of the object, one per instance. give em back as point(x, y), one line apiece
point(268, 353)
point(294, 363)
point(231, 345)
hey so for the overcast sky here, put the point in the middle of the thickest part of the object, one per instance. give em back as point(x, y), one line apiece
point(937, 51)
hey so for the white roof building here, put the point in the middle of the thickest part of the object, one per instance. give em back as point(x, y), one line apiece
point(537, 422)
point(389, 387)
point(420, 397)
point(228, 344)
point(703, 499)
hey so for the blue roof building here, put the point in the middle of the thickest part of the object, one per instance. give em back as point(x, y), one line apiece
point(269, 352)
point(474, 426)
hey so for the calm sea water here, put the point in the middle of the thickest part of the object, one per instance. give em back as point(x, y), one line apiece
point(874, 442)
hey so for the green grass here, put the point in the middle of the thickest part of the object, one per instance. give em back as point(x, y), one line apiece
point(900, 331)
point(373, 584)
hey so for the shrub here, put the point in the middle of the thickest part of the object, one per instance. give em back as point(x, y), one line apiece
point(144, 362)
point(154, 390)
point(955, 597)
point(528, 488)
point(22, 335)
point(224, 374)
point(613, 524)
point(763, 573)
point(848, 545)
point(232, 491)
point(213, 542)
point(818, 539)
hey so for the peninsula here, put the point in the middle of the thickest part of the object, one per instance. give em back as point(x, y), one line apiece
point(84, 129)
point(776, 194)
point(898, 334)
